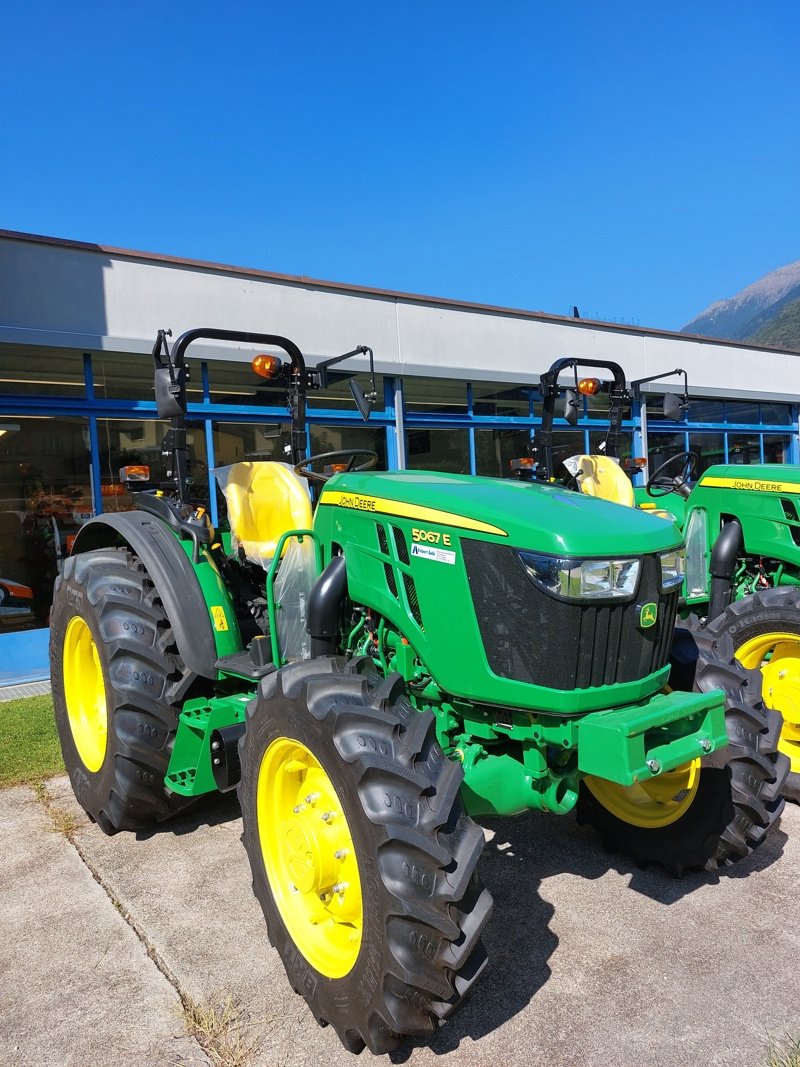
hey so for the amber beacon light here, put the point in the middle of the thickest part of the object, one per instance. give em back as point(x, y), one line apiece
point(266, 366)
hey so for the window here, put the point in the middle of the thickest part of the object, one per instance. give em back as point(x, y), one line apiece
point(234, 441)
point(566, 443)
point(776, 448)
point(120, 376)
point(438, 450)
point(30, 371)
point(710, 449)
point(706, 411)
point(741, 411)
point(494, 450)
point(744, 448)
point(776, 414)
point(435, 395)
point(664, 445)
point(334, 438)
point(45, 497)
point(495, 400)
point(126, 442)
point(624, 443)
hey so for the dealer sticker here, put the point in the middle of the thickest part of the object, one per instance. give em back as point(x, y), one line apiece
point(441, 555)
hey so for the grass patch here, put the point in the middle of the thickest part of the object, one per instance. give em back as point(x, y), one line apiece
point(784, 1053)
point(29, 749)
point(221, 1028)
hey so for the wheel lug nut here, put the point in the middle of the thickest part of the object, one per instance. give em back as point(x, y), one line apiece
point(298, 808)
point(328, 816)
point(312, 798)
point(339, 887)
point(340, 853)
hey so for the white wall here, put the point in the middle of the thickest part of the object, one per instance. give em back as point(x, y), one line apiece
point(94, 298)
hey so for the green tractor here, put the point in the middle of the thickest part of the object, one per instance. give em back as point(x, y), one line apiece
point(741, 526)
point(742, 531)
point(421, 650)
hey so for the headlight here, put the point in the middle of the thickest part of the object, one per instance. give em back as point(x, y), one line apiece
point(672, 568)
point(587, 579)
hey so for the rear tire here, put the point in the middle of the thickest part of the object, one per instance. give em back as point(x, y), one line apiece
point(765, 630)
point(407, 950)
point(130, 682)
point(737, 798)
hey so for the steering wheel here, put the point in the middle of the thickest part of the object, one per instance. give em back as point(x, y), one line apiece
point(305, 467)
point(686, 464)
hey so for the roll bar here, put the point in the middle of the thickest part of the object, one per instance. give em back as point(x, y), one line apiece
point(548, 386)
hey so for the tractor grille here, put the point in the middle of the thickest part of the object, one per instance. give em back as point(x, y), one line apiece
point(388, 569)
point(401, 548)
point(531, 636)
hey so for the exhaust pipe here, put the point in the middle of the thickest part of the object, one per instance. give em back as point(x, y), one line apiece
point(727, 549)
point(324, 606)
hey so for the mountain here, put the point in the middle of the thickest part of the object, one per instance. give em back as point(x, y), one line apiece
point(783, 331)
point(752, 314)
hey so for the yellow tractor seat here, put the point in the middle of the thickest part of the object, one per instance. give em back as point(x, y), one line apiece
point(654, 509)
point(264, 501)
point(603, 477)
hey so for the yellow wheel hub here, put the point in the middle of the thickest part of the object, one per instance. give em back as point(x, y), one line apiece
point(652, 804)
point(778, 656)
point(309, 857)
point(85, 694)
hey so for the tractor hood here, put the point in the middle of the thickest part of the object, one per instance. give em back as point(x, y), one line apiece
point(755, 477)
point(546, 518)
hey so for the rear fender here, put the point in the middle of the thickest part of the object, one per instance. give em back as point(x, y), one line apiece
point(171, 572)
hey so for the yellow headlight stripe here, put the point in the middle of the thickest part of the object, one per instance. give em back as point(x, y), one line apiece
point(383, 506)
point(754, 484)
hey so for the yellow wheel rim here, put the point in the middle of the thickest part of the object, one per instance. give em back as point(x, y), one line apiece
point(85, 694)
point(778, 656)
point(657, 802)
point(309, 857)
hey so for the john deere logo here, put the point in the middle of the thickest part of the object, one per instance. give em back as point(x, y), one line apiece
point(648, 615)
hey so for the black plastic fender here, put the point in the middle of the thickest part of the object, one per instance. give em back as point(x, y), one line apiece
point(171, 572)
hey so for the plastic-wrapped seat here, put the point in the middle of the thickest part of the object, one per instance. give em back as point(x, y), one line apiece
point(602, 476)
point(264, 500)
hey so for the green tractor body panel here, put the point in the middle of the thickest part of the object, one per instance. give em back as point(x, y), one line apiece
point(224, 625)
point(422, 548)
point(765, 500)
point(190, 771)
point(628, 746)
point(672, 507)
point(632, 744)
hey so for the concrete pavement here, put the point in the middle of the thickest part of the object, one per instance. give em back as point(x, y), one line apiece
point(593, 962)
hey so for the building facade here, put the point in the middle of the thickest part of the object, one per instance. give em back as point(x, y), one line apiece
point(457, 391)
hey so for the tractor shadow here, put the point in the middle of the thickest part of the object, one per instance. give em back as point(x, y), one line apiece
point(520, 855)
point(213, 809)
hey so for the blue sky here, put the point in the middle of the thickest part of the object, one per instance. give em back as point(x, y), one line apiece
point(637, 159)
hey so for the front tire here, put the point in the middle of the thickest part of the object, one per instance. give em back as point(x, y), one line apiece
point(118, 683)
point(713, 811)
point(373, 903)
point(765, 630)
